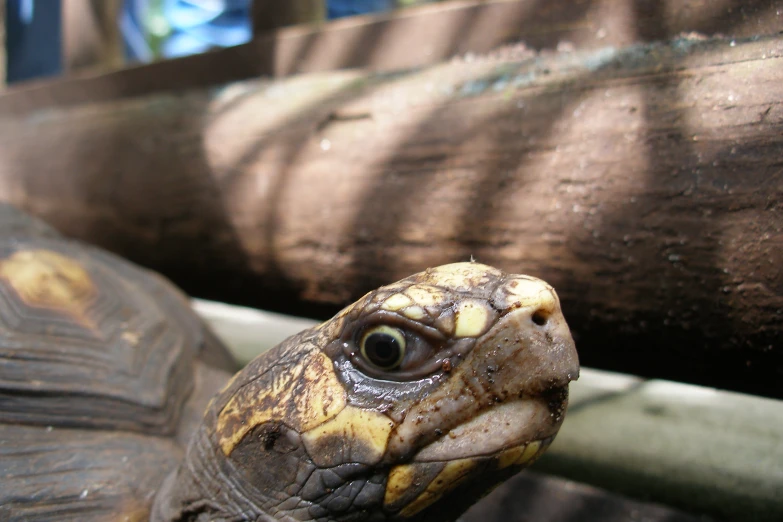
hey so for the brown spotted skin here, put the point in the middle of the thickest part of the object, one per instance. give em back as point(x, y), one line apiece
point(322, 429)
point(103, 370)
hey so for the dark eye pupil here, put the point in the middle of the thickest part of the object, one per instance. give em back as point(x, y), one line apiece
point(382, 349)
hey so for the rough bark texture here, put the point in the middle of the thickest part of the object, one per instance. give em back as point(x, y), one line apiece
point(414, 37)
point(644, 183)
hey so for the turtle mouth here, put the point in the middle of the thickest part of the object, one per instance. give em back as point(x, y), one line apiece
point(475, 454)
point(415, 486)
point(521, 427)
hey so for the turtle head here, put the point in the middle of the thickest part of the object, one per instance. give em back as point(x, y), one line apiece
point(408, 405)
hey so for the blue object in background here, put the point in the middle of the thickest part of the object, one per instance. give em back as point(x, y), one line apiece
point(196, 28)
point(32, 39)
point(172, 28)
point(151, 29)
point(341, 8)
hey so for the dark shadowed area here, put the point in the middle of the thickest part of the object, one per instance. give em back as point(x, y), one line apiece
point(533, 497)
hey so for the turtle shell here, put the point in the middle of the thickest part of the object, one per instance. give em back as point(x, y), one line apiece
point(99, 359)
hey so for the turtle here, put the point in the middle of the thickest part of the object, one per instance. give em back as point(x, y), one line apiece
point(118, 403)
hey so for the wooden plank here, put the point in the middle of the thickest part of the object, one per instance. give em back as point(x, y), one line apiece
point(268, 15)
point(415, 37)
point(644, 183)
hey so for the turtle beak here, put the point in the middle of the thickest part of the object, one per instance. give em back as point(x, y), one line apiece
point(529, 351)
point(519, 370)
point(500, 408)
point(520, 374)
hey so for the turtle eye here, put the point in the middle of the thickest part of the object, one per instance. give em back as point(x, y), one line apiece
point(383, 347)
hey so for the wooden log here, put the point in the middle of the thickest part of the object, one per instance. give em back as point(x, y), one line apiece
point(414, 37)
point(644, 183)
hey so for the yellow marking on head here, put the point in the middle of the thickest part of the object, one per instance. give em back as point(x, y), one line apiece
point(132, 338)
point(417, 313)
point(411, 305)
point(445, 322)
point(452, 475)
point(344, 312)
point(473, 319)
point(354, 435)
point(524, 293)
point(462, 276)
point(425, 295)
point(510, 456)
point(401, 479)
point(46, 279)
point(396, 302)
point(305, 397)
point(530, 453)
point(351, 307)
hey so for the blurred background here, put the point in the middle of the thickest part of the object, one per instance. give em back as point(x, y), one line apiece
point(142, 31)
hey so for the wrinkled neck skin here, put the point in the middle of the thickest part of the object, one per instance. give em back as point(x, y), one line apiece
point(304, 433)
point(267, 474)
point(270, 477)
point(205, 488)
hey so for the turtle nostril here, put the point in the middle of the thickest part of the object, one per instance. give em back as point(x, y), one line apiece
point(540, 317)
